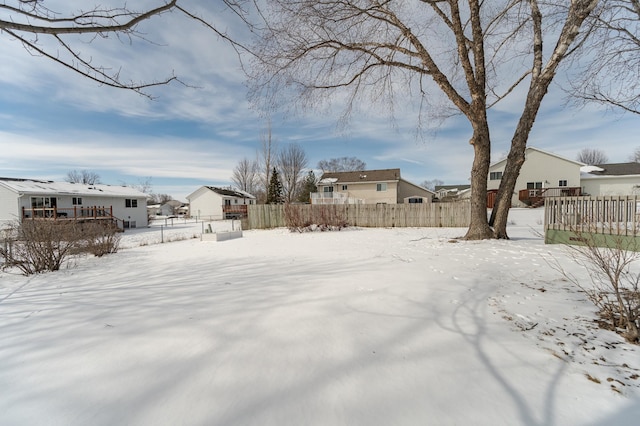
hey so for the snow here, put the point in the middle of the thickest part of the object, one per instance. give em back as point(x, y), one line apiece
point(40, 187)
point(400, 326)
point(589, 169)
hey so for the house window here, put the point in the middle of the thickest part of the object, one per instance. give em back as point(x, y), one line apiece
point(43, 206)
point(495, 175)
point(344, 187)
point(131, 203)
point(235, 201)
point(380, 187)
point(562, 182)
point(42, 202)
point(534, 185)
point(76, 201)
point(129, 224)
point(415, 200)
point(328, 189)
point(227, 202)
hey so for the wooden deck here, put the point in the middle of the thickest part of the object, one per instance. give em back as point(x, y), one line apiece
point(536, 197)
point(235, 211)
point(75, 213)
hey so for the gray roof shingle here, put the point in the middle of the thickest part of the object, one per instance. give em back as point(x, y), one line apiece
point(617, 169)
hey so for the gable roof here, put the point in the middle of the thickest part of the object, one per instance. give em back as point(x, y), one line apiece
point(386, 175)
point(48, 187)
point(615, 169)
point(174, 203)
point(229, 192)
point(531, 148)
point(451, 187)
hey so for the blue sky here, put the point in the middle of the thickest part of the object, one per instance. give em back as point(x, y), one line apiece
point(52, 121)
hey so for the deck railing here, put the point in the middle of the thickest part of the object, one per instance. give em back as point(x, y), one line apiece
point(77, 212)
point(533, 196)
point(324, 198)
point(612, 215)
point(234, 211)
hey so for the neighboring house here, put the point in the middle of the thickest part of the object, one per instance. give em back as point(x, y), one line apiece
point(368, 187)
point(214, 203)
point(453, 192)
point(183, 210)
point(153, 210)
point(22, 199)
point(170, 208)
point(611, 179)
point(543, 174)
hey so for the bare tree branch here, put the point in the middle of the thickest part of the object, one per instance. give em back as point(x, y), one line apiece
point(610, 61)
point(29, 22)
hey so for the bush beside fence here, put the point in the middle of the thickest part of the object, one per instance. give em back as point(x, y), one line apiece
point(365, 215)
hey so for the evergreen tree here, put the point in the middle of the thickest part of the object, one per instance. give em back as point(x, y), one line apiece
point(275, 194)
point(308, 186)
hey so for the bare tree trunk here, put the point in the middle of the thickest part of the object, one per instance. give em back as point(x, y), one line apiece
point(502, 204)
point(266, 159)
point(541, 77)
point(291, 161)
point(479, 227)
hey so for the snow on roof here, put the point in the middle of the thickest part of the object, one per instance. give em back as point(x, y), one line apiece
point(31, 186)
point(589, 169)
point(328, 180)
point(230, 192)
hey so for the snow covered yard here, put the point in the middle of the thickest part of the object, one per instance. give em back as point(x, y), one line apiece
point(358, 327)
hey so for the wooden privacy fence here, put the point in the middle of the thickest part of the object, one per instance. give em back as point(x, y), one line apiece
point(366, 215)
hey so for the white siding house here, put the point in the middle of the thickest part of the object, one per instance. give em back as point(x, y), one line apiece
point(32, 199)
point(214, 203)
point(611, 179)
point(542, 174)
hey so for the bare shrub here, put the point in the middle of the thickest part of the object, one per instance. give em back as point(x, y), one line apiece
point(39, 245)
point(305, 218)
point(100, 239)
point(614, 286)
point(45, 245)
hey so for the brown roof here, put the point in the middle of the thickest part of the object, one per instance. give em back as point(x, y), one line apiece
point(618, 169)
point(364, 176)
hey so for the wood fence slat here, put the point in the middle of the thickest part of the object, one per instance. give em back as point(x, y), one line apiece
point(367, 215)
point(611, 215)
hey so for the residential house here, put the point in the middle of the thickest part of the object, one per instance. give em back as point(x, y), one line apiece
point(215, 203)
point(453, 192)
point(22, 199)
point(153, 209)
point(611, 179)
point(170, 208)
point(543, 174)
point(368, 187)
